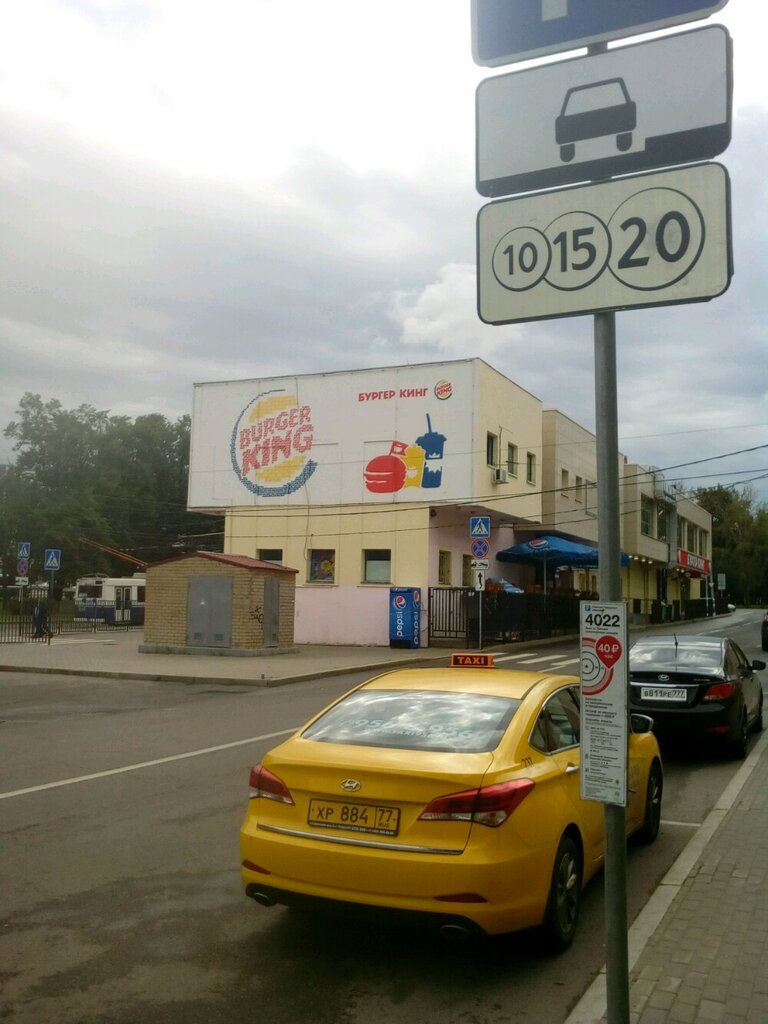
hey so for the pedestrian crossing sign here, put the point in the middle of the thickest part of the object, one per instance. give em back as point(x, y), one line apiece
point(52, 559)
point(23, 549)
point(480, 526)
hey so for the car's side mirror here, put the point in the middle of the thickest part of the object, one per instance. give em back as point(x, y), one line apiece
point(758, 666)
point(641, 723)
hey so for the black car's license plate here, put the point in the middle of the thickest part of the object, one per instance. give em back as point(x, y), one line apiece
point(354, 817)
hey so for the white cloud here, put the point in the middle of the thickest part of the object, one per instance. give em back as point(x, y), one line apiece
point(191, 193)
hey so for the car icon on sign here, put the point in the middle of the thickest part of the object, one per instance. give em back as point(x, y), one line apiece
point(592, 111)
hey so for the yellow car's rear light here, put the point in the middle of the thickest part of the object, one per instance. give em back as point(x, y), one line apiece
point(490, 805)
point(265, 784)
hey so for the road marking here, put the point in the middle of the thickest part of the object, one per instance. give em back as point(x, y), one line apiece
point(508, 657)
point(144, 764)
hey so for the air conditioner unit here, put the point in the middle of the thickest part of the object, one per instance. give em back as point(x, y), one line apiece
point(499, 476)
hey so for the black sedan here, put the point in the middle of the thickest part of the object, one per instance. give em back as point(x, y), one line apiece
point(698, 687)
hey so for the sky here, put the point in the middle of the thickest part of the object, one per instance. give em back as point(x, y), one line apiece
point(193, 192)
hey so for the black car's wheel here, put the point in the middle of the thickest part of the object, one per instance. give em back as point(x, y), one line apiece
point(562, 913)
point(739, 740)
point(652, 819)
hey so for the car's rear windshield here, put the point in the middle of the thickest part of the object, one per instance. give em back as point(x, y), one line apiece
point(682, 657)
point(416, 720)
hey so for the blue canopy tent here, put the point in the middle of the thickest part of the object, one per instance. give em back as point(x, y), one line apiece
point(553, 550)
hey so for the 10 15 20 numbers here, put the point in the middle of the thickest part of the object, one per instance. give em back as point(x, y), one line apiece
point(652, 240)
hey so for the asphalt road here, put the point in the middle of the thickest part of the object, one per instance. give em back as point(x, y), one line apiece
point(120, 803)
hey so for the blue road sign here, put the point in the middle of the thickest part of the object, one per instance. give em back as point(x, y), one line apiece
point(480, 526)
point(23, 549)
point(506, 31)
point(52, 558)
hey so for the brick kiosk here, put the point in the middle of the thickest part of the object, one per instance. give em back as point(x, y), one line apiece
point(210, 603)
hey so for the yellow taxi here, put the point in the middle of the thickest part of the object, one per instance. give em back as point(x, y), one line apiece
point(448, 792)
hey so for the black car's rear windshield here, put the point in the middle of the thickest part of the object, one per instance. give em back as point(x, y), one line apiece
point(681, 657)
point(416, 720)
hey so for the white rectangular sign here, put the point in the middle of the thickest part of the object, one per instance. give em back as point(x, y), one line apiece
point(604, 702)
point(653, 104)
point(380, 436)
point(649, 240)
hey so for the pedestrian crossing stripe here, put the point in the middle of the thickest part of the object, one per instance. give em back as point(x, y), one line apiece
point(52, 558)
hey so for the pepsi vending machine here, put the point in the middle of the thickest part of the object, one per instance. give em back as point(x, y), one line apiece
point(404, 616)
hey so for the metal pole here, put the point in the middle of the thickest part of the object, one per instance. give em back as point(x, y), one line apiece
point(609, 582)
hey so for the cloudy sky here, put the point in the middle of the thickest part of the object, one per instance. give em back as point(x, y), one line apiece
point(196, 192)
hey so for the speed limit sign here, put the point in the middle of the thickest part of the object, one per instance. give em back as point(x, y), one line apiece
point(647, 240)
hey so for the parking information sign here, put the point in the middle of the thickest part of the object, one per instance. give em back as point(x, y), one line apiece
point(604, 714)
point(607, 113)
point(648, 240)
point(506, 31)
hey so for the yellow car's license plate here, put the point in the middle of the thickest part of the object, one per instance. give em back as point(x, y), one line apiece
point(354, 817)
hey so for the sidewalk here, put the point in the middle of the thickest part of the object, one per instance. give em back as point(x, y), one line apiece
point(698, 951)
point(116, 655)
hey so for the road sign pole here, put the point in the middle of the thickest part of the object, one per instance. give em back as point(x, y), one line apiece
point(609, 583)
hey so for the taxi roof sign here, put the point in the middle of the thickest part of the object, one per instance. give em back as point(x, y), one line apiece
point(472, 661)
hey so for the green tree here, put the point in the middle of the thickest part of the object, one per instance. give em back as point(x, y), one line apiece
point(82, 473)
point(739, 541)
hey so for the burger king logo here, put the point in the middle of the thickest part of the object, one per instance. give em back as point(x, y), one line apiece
point(443, 390)
point(271, 445)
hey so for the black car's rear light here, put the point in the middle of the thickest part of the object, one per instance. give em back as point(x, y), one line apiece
point(720, 691)
point(490, 805)
point(265, 784)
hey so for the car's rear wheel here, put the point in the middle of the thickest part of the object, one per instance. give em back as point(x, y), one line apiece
point(649, 830)
point(739, 741)
point(562, 913)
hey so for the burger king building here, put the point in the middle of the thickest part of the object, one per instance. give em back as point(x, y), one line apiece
point(362, 480)
point(367, 479)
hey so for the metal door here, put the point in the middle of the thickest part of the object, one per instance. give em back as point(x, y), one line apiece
point(209, 611)
point(271, 611)
point(122, 604)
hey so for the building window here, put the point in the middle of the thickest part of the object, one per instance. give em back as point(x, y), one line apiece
point(530, 468)
point(271, 555)
point(703, 543)
point(322, 565)
point(466, 570)
point(512, 459)
point(579, 488)
point(647, 509)
point(691, 539)
point(564, 481)
point(590, 498)
point(661, 523)
point(444, 568)
point(490, 449)
point(377, 565)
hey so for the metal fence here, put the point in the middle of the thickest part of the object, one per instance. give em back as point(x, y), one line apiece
point(21, 623)
point(454, 614)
